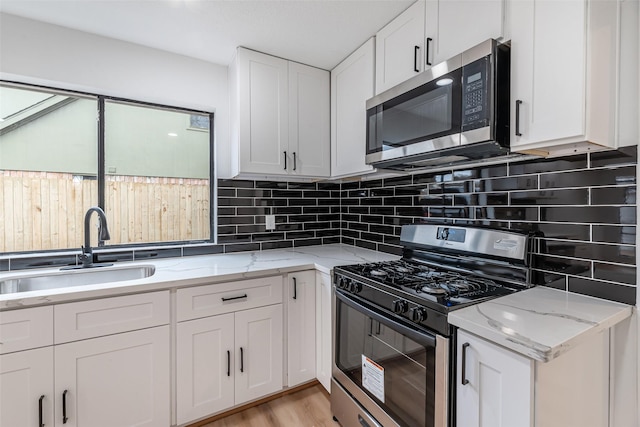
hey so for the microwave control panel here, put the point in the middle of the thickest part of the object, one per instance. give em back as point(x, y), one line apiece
point(475, 94)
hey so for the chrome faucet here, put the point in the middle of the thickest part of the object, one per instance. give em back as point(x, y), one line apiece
point(103, 234)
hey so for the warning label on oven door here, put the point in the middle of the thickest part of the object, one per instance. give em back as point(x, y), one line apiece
point(373, 377)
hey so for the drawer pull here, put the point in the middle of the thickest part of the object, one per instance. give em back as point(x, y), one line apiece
point(295, 288)
point(241, 359)
point(225, 299)
point(228, 363)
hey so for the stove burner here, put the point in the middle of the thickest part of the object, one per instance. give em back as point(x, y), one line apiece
point(432, 290)
point(378, 273)
point(404, 269)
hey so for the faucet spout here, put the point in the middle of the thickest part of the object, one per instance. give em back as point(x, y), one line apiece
point(103, 234)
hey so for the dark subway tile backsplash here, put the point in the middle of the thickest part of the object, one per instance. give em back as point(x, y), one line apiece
point(581, 208)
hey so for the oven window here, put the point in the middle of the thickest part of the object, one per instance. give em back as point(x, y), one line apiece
point(405, 367)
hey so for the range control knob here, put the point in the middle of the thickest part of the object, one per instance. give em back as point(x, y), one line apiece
point(355, 287)
point(400, 306)
point(418, 314)
point(341, 283)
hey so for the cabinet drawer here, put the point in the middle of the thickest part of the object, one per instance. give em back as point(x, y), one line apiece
point(88, 319)
point(202, 301)
point(25, 329)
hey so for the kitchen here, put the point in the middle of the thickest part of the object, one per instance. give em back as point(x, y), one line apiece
point(590, 254)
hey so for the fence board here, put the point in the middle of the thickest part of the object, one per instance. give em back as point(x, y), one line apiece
point(43, 211)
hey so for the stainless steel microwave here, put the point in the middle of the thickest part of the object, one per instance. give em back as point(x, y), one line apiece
point(456, 111)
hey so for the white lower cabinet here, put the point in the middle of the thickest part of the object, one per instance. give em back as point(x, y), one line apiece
point(497, 387)
point(494, 386)
point(26, 388)
point(119, 380)
point(301, 327)
point(324, 338)
point(228, 360)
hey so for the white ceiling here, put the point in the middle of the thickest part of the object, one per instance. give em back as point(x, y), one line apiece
point(315, 32)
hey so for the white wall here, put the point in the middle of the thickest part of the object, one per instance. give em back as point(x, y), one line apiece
point(50, 55)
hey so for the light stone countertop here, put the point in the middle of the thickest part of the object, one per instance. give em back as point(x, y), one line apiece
point(198, 270)
point(541, 323)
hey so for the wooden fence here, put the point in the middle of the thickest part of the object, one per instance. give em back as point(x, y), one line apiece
point(43, 210)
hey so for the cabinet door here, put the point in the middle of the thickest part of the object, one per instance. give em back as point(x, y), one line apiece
point(324, 342)
point(548, 75)
point(352, 84)
point(262, 86)
point(25, 377)
point(457, 25)
point(499, 391)
point(309, 126)
point(258, 349)
point(120, 380)
point(301, 327)
point(205, 376)
point(399, 48)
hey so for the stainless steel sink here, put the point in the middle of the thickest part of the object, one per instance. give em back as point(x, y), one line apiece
point(79, 277)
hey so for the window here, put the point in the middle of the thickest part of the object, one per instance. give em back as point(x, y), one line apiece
point(149, 167)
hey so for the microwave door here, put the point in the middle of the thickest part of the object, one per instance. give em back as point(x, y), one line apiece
point(424, 119)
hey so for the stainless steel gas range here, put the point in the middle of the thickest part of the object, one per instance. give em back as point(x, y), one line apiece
point(394, 349)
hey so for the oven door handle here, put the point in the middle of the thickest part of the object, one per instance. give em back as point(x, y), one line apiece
point(422, 338)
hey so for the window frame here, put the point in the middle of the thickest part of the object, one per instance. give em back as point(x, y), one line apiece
point(101, 172)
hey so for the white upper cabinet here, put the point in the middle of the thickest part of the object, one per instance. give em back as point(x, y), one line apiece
point(309, 129)
point(453, 26)
point(433, 31)
point(279, 117)
point(400, 48)
point(574, 78)
point(352, 83)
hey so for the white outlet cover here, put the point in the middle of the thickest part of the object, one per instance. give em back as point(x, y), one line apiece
point(270, 222)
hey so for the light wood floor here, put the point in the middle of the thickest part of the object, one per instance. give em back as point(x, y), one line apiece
point(305, 408)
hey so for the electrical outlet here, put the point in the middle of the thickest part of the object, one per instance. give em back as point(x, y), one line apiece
point(270, 222)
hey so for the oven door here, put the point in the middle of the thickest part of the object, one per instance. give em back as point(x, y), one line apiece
point(396, 372)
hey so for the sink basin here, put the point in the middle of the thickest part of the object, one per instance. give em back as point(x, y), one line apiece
point(79, 277)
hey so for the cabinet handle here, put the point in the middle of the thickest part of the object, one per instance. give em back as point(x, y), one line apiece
point(64, 407)
point(225, 299)
point(294, 160)
point(518, 103)
point(295, 288)
point(415, 58)
point(429, 40)
point(285, 160)
point(241, 360)
point(40, 423)
point(465, 381)
point(228, 363)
